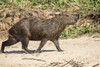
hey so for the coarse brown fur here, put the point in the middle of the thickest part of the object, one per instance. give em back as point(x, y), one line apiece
point(34, 28)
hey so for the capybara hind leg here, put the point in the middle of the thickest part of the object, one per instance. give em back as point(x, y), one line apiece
point(25, 42)
point(9, 42)
point(2, 47)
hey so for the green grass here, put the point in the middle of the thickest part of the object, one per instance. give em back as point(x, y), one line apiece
point(76, 31)
point(84, 6)
point(79, 6)
point(15, 3)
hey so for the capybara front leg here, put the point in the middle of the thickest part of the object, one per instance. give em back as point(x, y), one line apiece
point(56, 42)
point(41, 45)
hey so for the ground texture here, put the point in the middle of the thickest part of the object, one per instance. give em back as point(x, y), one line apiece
point(80, 52)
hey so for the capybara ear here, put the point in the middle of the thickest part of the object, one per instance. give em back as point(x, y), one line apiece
point(57, 14)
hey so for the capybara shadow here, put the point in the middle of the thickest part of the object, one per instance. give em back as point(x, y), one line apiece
point(39, 29)
point(15, 52)
point(21, 52)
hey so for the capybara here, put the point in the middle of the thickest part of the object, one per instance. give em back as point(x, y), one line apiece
point(35, 28)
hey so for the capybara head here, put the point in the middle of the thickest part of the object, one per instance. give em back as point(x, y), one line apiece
point(67, 19)
point(71, 19)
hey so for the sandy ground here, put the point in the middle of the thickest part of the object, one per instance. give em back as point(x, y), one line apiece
point(84, 51)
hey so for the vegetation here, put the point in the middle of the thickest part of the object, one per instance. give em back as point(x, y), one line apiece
point(80, 6)
point(83, 6)
point(76, 31)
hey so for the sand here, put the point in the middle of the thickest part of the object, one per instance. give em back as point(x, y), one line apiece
point(84, 51)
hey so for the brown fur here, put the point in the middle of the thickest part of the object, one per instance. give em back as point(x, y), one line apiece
point(34, 28)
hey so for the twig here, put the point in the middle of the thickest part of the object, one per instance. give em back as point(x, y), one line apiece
point(95, 65)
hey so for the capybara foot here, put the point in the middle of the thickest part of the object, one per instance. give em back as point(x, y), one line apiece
point(60, 50)
point(2, 51)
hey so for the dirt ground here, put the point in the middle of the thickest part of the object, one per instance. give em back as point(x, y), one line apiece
point(79, 52)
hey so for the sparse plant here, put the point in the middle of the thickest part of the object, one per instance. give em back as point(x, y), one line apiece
point(73, 32)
